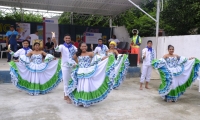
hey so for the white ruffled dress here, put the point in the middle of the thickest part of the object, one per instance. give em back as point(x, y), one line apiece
point(177, 74)
point(91, 81)
point(34, 76)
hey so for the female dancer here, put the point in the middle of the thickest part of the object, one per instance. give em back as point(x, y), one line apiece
point(112, 49)
point(91, 82)
point(35, 76)
point(121, 64)
point(177, 73)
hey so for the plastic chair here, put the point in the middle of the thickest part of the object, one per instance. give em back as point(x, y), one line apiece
point(2, 53)
point(121, 46)
point(126, 49)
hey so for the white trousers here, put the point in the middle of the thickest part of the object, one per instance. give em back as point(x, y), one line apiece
point(146, 73)
point(66, 76)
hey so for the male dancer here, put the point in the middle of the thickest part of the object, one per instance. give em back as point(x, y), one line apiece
point(68, 51)
point(135, 44)
point(148, 55)
point(23, 51)
point(101, 49)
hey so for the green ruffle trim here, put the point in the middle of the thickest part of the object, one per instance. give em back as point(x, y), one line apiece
point(102, 91)
point(111, 60)
point(94, 94)
point(36, 86)
point(122, 67)
point(182, 88)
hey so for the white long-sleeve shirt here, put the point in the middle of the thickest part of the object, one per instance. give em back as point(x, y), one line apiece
point(67, 54)
point(149, 56)
point(20, 52)
point(100, 51)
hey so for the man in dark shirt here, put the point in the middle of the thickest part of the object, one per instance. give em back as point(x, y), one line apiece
point(49, 46)
point(11, 36)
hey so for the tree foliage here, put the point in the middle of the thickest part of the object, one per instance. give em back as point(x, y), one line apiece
point(181, 17)
point(16, 15)
point(85, 20)
point(135, 19)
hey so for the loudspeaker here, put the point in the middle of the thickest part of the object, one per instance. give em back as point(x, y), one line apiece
point(57, 54)
point(133, 59)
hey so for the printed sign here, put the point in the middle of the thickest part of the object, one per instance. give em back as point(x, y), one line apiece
point(92, 38)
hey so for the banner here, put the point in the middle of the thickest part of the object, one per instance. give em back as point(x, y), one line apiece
point(92, 38)
point(40, 32)
point(50, 25)
point(24, 30)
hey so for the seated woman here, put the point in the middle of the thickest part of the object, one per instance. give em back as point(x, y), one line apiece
point(121, 64)
point(33, 75)
point(90, 82)
point(177, 74)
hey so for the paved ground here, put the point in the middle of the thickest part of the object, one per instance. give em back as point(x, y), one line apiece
point(126, 103)
point(4, 64)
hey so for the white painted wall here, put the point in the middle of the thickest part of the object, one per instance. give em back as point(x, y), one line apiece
point(188, 45)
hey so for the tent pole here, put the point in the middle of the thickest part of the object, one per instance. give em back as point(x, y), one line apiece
point(157, 25)
point(72, 18)
point(142, 10)
point(110, 22)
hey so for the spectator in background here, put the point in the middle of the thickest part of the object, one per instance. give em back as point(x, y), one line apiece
point(76, 44)
point(32, 37)
point(49, 46)
point(114, 38)
point(11, 37)
point(135, 44)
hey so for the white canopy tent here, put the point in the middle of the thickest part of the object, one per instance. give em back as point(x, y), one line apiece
point(95, 7)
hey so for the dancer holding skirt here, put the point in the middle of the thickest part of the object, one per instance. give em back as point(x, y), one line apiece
point(90, 82)
point(121, 64)
point(34, 75)
point(177, 74)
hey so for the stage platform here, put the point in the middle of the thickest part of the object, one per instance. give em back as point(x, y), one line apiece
point(4, 71)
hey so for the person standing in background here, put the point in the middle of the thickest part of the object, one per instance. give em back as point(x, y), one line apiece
point(32, 37)
point(135, 44)
point(49, 46)
point(114, 38)
point(11, 37)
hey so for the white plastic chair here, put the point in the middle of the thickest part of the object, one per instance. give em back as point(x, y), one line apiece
point(2, 53)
